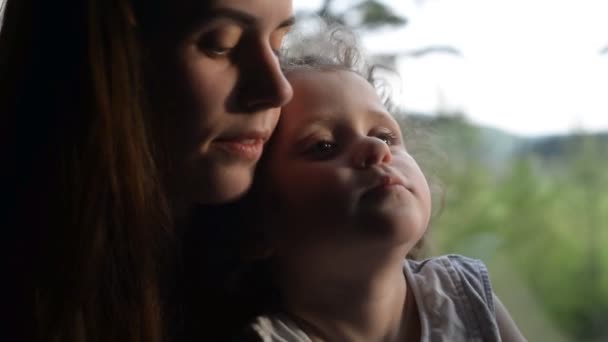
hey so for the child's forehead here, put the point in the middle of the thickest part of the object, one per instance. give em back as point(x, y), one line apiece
point(331, 88)
point(330, 95)
point(321, 74)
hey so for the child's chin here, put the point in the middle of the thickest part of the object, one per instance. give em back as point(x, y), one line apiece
point(396, 225)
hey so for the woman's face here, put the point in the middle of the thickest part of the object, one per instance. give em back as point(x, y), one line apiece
point(219, 88)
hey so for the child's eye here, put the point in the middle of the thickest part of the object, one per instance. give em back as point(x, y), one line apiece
point(389, 138)
point(322, 149)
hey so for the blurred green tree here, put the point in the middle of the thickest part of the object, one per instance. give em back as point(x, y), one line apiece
point(545, 211)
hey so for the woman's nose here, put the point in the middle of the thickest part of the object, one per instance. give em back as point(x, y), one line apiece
point(264, 84)
point(371, 151)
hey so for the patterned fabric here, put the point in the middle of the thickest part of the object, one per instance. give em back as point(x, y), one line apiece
point(453, 296)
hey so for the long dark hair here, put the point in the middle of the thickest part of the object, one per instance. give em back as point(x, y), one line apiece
point(86, 233)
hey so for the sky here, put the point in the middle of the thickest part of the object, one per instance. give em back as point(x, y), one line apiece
point(529, 67)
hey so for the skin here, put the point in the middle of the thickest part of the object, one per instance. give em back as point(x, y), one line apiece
point(329, 152)
point(352, 202)
point(219, 89)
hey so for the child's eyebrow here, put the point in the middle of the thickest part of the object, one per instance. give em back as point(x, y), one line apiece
point(309, 127)
point(382, 116)
point(324, 120)
point(378, 114)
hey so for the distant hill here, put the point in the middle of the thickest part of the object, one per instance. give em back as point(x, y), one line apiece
point(491, 146)
point(560, 146)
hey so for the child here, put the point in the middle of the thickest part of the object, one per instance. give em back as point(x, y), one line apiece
point(349, 203)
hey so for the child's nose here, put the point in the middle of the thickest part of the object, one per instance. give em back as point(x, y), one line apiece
point(371, 151)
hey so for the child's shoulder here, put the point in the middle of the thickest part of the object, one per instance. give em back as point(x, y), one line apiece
point(448, 262)
point(455, 275)
point(454, 298)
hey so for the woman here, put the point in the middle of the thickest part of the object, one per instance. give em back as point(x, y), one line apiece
point(122, 115)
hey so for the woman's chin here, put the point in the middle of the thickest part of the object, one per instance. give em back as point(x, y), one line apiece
point(228, 190)
point(222, 185)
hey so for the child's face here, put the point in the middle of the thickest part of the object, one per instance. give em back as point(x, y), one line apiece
point(338, 166)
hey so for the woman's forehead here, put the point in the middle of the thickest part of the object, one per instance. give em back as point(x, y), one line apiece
point(182, 16)
point(247, 12)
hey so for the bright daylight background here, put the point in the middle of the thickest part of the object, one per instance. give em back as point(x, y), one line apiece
point(527, 66)
point(507, 111)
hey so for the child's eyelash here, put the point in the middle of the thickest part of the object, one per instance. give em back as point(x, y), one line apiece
point(321, 149)
point(390, 138)
point(321, 146)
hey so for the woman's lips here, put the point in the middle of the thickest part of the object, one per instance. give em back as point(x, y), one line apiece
point(243, 148)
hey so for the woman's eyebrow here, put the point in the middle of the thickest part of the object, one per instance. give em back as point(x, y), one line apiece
point(243, 18)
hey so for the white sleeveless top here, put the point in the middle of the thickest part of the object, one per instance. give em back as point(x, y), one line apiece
point(453, 297)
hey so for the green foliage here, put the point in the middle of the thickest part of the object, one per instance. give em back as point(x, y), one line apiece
point(545, 214)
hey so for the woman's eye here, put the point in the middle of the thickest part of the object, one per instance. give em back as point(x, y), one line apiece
point(221, 42)
point(214, 50)
point(218, 51)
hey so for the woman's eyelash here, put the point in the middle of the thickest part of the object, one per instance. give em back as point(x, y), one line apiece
point(219, 52)
point(213, 48)
point(215, 51)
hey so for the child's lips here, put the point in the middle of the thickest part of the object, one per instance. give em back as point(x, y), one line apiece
point(386, 183)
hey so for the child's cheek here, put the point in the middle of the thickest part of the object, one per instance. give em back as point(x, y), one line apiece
point(320, 191)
